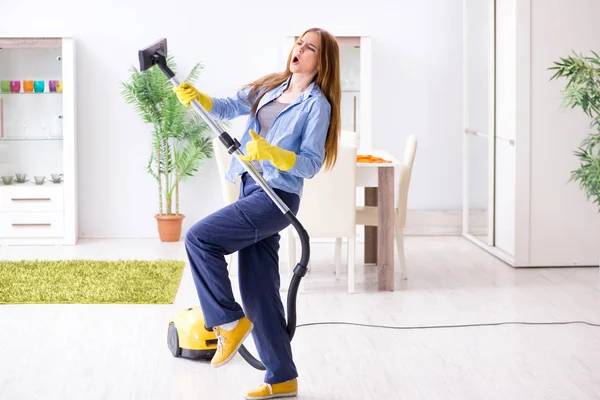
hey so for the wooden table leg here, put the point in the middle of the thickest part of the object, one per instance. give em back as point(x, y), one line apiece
point(371, 231)
point(385, 232)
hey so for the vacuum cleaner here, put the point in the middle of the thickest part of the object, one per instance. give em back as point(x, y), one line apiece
point(187, 335)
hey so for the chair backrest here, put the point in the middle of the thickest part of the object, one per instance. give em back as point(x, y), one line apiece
point(230, 191)
point(405, 174)
point(328, 204)
point(349, 138)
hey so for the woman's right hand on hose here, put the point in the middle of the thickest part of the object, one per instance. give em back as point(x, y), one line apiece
point(186, 93)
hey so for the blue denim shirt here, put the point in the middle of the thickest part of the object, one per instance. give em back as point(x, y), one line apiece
point(301, 127)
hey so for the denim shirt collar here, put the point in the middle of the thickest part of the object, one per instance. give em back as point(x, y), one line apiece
point(311, 90)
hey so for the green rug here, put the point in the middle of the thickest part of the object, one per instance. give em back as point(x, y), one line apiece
point(89, 281)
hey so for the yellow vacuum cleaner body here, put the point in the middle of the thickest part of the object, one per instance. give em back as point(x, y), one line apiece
point(188, 337)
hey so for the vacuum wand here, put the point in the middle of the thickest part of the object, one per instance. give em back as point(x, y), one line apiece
point(156, 54)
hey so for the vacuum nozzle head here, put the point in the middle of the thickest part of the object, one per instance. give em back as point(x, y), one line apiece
point(156, 53)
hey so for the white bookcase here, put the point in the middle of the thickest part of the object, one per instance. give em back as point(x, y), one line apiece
point(38, 138)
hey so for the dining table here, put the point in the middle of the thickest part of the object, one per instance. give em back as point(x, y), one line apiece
point(378, 181)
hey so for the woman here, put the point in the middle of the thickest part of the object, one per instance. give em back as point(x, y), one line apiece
point(292, 131)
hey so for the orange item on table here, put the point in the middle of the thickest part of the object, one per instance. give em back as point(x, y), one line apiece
point(368, 158)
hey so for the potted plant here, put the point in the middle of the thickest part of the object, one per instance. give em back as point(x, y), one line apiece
point(583, 91)
point(180, 140)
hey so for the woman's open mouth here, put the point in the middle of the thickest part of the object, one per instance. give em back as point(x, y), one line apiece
point(295, 60)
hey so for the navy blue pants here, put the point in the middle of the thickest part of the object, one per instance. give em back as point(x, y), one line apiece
point(250, 226)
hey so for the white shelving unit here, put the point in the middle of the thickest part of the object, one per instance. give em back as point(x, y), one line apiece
point(38, 138)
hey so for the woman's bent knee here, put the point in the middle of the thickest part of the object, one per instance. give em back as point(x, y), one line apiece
point(197, 234)
point(201, 236)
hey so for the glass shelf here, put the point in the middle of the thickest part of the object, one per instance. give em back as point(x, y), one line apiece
point(18, 139)
point(29, 93)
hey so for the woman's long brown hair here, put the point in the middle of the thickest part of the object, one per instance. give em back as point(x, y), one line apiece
point(328, 79)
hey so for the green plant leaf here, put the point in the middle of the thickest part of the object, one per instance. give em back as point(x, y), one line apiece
point(180, 139)
point(582, 91)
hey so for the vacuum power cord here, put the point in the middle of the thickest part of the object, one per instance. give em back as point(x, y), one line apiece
point(447, 326)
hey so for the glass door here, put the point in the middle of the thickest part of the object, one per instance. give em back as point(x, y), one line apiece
point(350, 76)
point(479, 120)
point(31, 111)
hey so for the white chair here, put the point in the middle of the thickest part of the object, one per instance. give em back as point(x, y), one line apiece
point(349, 138)
point(368, 215)
point(230, 191)
point(328, 209)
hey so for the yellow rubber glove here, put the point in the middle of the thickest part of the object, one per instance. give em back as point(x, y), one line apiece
point(260, 149)
point(186, 93)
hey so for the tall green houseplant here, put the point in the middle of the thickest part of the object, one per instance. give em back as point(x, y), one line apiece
point(180, 139)
point(583, 91)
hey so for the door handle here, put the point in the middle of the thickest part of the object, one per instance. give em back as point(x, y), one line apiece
point(31, 199)
point(474, 132)
point(32, 224)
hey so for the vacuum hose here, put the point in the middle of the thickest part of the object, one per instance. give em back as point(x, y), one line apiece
point(299, 273)
point(156, 54)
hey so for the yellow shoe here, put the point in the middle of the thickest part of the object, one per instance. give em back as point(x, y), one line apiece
point(229, 342)
point(274, 391)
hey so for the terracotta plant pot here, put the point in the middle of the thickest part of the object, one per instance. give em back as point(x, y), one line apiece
point(169, 227)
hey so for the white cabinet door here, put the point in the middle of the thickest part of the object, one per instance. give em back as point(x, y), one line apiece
point(506, 125)
point(31, 225)
point(31, 198)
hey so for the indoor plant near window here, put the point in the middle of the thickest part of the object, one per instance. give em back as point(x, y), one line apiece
point(583, 91)
point(180, 140)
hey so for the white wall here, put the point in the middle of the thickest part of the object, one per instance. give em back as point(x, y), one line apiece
point(564, 226)
point(417, 87)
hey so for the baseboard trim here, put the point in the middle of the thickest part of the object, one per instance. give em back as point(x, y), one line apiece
point(440, 222)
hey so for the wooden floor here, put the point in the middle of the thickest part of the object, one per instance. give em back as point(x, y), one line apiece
point(120, 352)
